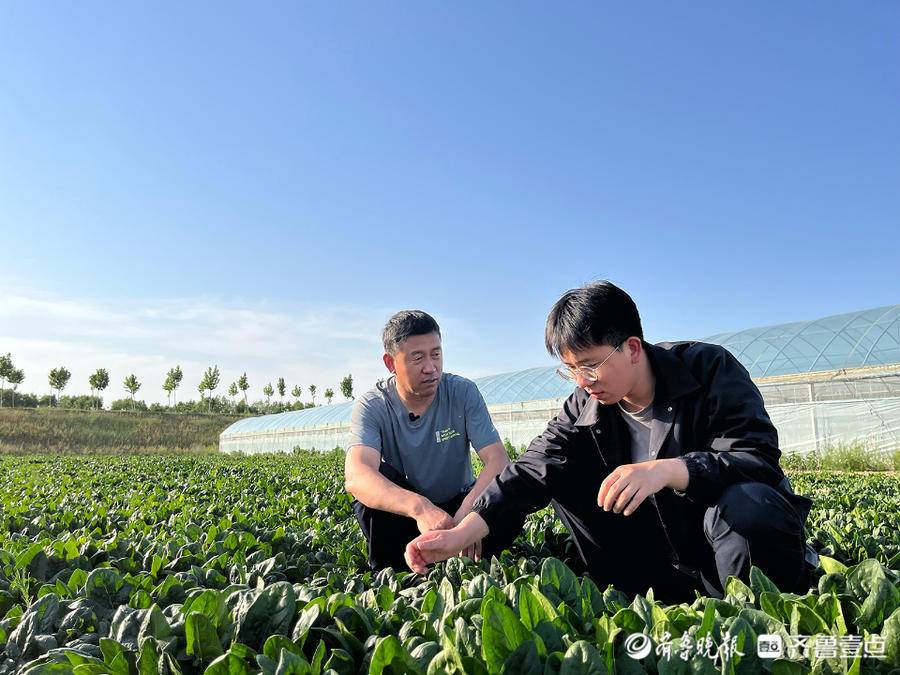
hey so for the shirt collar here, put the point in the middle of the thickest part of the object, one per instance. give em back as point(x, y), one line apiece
point(673, 380)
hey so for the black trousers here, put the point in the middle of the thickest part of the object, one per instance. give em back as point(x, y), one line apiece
point(751, 524)
point(387, 534)
point(756, 524)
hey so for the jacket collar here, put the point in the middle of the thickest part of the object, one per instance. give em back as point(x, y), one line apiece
point(673, 380)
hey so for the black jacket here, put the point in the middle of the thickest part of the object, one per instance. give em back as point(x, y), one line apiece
point(706, 410)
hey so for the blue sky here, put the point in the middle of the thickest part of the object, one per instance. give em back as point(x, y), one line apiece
point(260, 187)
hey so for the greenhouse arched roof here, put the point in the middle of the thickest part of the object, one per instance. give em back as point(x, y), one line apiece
point(534, 384)
point(294, 419)
point(524, 385)
point(855, 340)
point(867, 338)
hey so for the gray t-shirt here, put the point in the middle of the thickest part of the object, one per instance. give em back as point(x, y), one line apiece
point(639, 428)
point(433, 450)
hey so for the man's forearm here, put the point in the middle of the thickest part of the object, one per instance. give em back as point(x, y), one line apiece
point(377, 492)
point(677, 471)
point(472, 528)
point(489, 473)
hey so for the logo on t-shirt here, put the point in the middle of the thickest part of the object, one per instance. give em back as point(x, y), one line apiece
point(445, 434)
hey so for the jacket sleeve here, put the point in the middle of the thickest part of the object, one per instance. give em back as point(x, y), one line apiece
point(741, 442)
point(529, 483)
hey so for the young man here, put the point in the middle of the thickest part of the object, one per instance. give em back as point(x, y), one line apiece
point(408, 462)
point(663, 464)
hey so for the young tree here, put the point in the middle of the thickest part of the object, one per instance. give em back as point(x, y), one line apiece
point(99, 381)
point(232, 392)
point(282, 387)
point(347, 387)
point(312, 392)
point(6, 369)
point(169, 386)
point(268, 391)
point(297, 391)
point(243, 385)
point(15, 379)
point(59, 378)
point(177, 376)
point(132, 385)
point(329, 395)
point(209, 383)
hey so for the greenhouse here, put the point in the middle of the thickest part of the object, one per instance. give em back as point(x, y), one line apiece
point(825, 382)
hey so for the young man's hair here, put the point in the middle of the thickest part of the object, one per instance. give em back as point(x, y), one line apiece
point(599, 313)
point(405, 324)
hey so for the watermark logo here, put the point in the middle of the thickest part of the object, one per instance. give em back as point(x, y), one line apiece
point(769, 646)
point(638, 645)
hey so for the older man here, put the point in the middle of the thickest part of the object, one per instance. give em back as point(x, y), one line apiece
point(408, 462)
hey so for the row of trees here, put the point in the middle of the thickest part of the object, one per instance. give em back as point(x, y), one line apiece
point(99, 381)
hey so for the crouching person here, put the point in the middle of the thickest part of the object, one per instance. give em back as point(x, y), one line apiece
point(662, 464)
point(408, 462)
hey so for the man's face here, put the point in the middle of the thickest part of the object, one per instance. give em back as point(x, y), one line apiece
point(418, 364)
point(615, 378)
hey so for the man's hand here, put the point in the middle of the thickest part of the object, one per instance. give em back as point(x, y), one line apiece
point(630, 484)
point(442, 544)
point(432, 547)
point(473, 551)
point(429, 517)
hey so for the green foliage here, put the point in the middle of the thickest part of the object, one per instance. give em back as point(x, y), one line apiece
point(99, 381)
point(128, 404)
point(15, 377)
point(281, 386)
point(231, 564)
point(59, 378)
point(82, 402)
point(172, 381)
point(347, 387)
point(27, 400)
point(209, 382)
point(312, 392)
point(512, 451)
point(6, 369)
point(857, 456)
point(329, 394)
point(243, 384)
point(131, 385)
point(268, 391)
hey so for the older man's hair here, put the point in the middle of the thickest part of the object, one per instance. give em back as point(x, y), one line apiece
point(599, 313)
point(404, 325)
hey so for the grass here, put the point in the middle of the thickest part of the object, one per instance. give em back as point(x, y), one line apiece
point(857, 456)
point(28, 430)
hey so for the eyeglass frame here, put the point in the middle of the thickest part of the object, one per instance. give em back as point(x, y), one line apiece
point(587, 374)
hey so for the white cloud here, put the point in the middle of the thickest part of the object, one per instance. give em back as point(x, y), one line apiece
point(304, 344)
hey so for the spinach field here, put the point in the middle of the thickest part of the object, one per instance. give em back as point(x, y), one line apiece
point(212, 564)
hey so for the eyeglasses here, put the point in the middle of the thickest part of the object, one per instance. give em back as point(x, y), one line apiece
point(586, 374)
